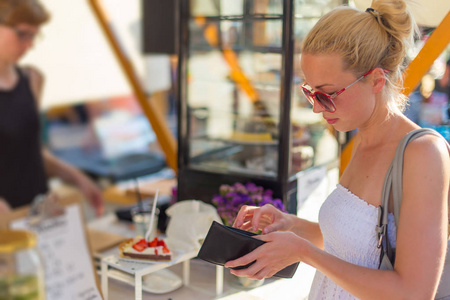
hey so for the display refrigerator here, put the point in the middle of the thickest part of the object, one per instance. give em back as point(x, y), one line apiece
point(241, 114)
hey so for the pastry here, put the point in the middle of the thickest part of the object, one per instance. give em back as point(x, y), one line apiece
point(141, 249)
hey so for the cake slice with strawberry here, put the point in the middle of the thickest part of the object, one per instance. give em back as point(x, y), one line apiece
point(141, 249)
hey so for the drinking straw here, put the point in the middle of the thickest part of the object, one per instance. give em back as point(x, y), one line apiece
point(152, 217)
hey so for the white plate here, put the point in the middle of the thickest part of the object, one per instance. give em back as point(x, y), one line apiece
point(158, 282)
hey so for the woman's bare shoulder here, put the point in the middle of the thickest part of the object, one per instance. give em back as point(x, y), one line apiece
point(427, 145)
point(36, 78)
point(32, 72)
point(428, 154)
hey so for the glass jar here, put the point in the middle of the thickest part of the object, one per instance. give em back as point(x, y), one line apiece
point(141, 216)
point(21, 269)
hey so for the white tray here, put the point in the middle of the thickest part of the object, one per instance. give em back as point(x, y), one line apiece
point(159, 282)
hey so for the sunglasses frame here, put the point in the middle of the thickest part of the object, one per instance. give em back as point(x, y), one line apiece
point(23, 35)
point(311, 96)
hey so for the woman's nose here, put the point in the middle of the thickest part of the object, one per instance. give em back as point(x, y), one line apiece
point(317, 108)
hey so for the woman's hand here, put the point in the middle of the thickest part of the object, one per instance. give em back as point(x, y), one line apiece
point(280, 250)
point(4, 206)
point(266, 218)
point(72, 175)
point(92, 193)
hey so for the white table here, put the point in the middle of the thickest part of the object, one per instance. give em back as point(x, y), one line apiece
point(139, 269)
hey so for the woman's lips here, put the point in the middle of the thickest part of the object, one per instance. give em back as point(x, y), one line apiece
point(331, 121)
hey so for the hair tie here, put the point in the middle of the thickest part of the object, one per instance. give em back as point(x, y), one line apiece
point(373, 12)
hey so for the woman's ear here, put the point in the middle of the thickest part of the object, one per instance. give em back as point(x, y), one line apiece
point(378, 80)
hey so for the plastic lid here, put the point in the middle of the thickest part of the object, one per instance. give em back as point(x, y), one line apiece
point(16, 240)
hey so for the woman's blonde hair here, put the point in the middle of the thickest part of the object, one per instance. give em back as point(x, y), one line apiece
point(379, 37)
point(14, 12)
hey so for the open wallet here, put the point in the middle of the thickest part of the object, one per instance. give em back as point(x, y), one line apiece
point(225, 243)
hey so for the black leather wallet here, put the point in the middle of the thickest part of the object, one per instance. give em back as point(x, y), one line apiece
point(225, 243)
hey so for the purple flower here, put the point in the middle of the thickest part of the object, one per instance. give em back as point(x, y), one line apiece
point(267, 193)
point(240, 188)
point(224, 189)
point(232, 198)
point(257, 198)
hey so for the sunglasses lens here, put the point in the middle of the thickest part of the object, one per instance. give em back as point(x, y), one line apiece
point(325, 102)
point(323, 99)
point(308, 95)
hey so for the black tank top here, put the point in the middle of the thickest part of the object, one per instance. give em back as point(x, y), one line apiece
point(22, 174)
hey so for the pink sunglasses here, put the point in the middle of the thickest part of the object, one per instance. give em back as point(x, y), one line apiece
point(325, 100)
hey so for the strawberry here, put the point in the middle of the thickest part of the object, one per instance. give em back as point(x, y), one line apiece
point(153, 243)
point(142, 243)
point(138, 247)
point(161, 243)
point(165, 250)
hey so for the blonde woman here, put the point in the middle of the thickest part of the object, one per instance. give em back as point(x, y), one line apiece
point(24, 164)
point(352, 62)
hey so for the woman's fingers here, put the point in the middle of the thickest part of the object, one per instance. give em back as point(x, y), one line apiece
point(257, 270)
point(266, 218)
point(279, 251)
point(243, 215)
point(263, 217)
point(242, 261)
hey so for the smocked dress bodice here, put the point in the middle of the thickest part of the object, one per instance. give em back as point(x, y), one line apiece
point(348, 227)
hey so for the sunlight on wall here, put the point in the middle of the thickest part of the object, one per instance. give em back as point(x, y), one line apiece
point(77, 60)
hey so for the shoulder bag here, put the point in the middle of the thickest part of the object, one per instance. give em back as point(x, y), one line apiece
point(393, 181)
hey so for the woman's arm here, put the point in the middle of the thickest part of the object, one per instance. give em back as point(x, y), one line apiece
point(423, 225)
point(421, 237)
point(309, 231)
point(54, 166)
point(58, 168)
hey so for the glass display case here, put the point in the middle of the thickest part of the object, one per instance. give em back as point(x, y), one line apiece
point(242, 115)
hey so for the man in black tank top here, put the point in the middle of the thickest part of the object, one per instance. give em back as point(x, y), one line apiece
point(24, 164)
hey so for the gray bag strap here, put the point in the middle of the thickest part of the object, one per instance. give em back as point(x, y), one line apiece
point(394, 181)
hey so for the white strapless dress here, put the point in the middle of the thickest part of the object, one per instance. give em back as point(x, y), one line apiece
point(348, 228)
